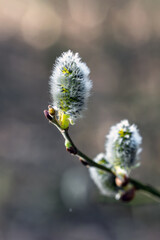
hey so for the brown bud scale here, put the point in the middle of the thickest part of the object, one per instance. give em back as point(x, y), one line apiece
point(47, 115)
point(128, 195)
point(72, 150)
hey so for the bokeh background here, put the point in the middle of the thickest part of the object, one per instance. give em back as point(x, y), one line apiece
point(45, 193)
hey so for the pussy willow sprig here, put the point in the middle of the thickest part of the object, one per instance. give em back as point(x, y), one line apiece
point(70, 88)
point(88, 162)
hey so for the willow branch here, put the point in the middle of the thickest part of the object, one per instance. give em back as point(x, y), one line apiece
point(74, 150)
point(147, 188)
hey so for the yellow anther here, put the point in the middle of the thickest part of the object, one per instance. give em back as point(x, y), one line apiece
point(121, 132)
point(65, 70)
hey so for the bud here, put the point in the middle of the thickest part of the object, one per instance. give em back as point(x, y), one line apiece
point(105, 181)
point(123, 147)
point(70, 87)
point(67, 144)
point(70, 148)
point(121, 182)
point(127, 194)
point(51, 110)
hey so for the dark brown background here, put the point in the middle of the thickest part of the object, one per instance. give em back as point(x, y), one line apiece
point(45, 194)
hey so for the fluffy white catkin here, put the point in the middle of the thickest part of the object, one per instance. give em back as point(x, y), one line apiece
point(70, 85)
point(104, 181)
point(123, 146)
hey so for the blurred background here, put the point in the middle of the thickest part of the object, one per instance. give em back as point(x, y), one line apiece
point(45, 193)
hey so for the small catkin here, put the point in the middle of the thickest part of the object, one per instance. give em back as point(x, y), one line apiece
point(123, 146)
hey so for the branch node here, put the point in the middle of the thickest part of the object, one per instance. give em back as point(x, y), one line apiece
point(83, 162)
point(72, 150)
